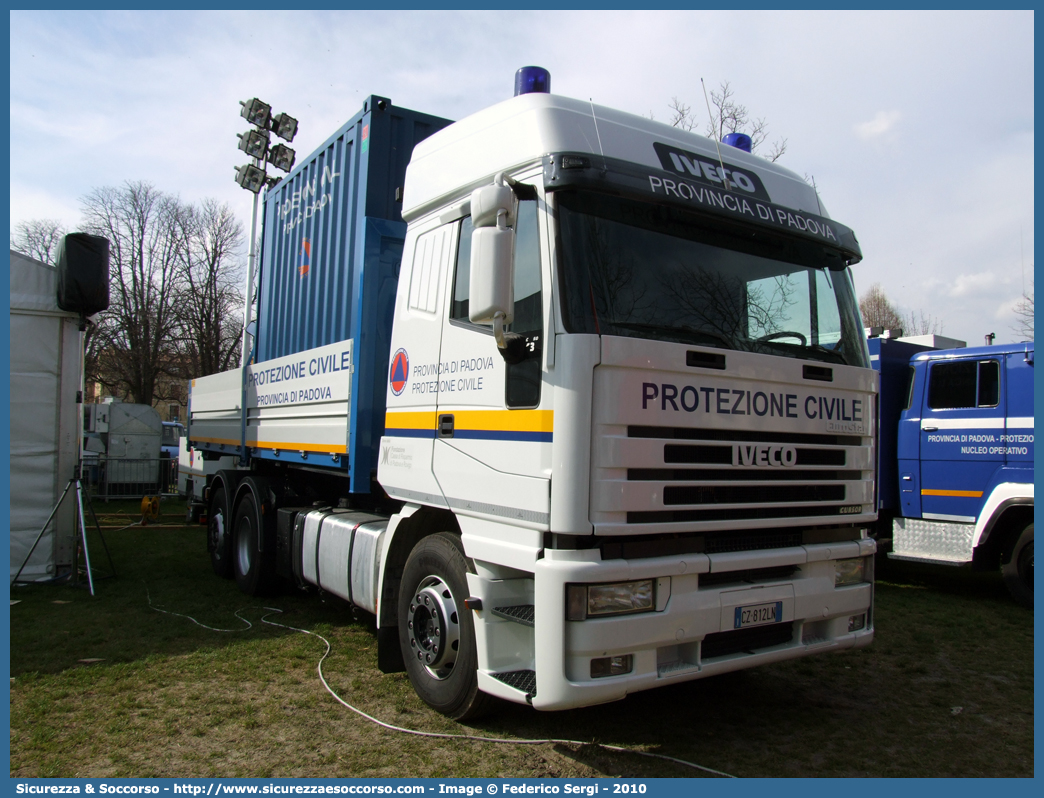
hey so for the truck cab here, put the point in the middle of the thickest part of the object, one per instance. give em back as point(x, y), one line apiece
point(963, 466)
point(593, 415)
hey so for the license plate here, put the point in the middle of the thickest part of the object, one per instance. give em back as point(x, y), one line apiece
point(758, 614)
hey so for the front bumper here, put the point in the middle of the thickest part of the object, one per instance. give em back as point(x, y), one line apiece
point(668, 645)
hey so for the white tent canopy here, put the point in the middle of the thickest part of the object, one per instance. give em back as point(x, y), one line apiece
point(45, 376)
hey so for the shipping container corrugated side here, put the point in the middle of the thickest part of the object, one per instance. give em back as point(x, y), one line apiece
point(331, 247)
point(891, 358)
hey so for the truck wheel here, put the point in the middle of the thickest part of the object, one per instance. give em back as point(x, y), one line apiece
point(219, 534)
point(436, 632)
point(1017, 568)
point(254, 570)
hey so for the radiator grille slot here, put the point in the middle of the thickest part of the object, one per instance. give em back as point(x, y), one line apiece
point(731, 514)
point(644, 546)
point(684, 433)
point(721, 644)
point(751, 494)
point(752, 541)
point(737, 475)
point(722, 455)
point(749, 576)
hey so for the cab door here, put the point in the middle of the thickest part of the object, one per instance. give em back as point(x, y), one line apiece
point(962, 432)
point(908, 443)
point(405, 458)
point(494, 425)
point(1018, 377)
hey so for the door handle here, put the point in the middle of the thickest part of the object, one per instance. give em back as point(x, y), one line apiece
point(446, 425)
point(930, 429)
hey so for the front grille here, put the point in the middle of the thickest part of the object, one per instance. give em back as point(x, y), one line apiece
point(716, 475)
point(751, 494)
point(745, 641)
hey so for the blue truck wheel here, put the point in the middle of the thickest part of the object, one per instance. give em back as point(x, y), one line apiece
point(1017, 567)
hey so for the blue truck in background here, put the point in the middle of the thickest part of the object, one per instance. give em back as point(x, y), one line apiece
point(955, 458)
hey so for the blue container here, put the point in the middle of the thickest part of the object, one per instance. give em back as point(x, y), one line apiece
point(331, 246)
point(891, 358)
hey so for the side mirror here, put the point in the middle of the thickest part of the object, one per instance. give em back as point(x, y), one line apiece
point(492, 282)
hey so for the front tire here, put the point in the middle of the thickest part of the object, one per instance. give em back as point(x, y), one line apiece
point(219, 533)
point(436, 631)
point(1017, 568)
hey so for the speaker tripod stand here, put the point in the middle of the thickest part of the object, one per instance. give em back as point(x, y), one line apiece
point(81, 521)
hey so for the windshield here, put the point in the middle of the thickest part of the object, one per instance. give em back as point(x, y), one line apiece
point(641, 270)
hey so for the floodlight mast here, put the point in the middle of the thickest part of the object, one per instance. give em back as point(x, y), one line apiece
point(255, 143)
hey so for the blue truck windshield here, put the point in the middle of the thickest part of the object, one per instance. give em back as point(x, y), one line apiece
point(642, 270)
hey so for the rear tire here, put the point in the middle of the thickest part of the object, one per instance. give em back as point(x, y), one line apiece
point(1017, 567)
point(219, 533)
point(436, 631)
point(254, 569)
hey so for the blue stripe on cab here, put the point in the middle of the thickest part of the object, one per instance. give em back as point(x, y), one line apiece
point(410, 433)
point(502, 435)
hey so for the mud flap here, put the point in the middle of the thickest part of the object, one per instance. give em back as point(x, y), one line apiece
point(389, 653)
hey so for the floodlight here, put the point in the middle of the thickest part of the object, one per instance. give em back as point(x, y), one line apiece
point(284, 126)
point(254, 143)
point(272, 182)
point(250, 177)
point(256, 112)
point(282, 157)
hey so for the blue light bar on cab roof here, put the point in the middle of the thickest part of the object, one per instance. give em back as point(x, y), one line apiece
point(741, 141)
point(530, 79)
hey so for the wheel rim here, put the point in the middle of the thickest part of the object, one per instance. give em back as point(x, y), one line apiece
point(434, 630)
point(217, 534)
point(243, 541)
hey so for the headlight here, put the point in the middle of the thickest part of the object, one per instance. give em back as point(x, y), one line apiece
point(620, 598)
point(849, 572)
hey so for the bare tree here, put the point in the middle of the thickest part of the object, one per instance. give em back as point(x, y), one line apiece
point(209, 299)
point(877, 310)
point(921, 323)
point(727, 116)
point(1024, 314)
point(146, 245)
point(682, 115)
point(39, 239)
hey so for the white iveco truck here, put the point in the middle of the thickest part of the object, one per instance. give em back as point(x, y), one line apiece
point(598, 417)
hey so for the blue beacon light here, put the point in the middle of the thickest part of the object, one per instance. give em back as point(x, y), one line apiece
point(741, 141)
point(532, 79)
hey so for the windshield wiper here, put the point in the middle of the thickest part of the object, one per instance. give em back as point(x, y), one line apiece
point(817, 350)
point(834, 353)
point(683, 331)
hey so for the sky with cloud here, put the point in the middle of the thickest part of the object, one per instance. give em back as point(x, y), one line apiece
point(917, 127)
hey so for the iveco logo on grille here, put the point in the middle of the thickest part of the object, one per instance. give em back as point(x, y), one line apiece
point(763, 456)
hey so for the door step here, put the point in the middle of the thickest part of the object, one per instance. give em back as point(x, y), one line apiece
point(520, 680)
point(520, 613)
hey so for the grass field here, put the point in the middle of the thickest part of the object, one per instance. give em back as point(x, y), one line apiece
point(110, 686)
